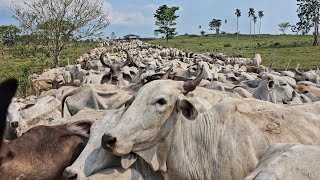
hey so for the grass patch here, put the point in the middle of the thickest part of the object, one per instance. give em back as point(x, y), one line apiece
point(23, 60)
point(282, 47)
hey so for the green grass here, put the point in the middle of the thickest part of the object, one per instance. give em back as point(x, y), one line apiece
point(295, 47)
point(23, 60)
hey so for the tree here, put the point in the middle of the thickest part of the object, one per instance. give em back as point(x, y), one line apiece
point(284, 26)
point(202, 33)
point(260, 14)
point(165, 19)
point(308, 13)
point(61, 20)
point(255, 19)
point(215, 25)
point(251, 14)
point(9, 32)
point(238, 14)
point(113, 36)
point(225, 23)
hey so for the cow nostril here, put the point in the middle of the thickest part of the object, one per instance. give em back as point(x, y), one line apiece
point(14, 124)
point(108, 142)
point(69, 175)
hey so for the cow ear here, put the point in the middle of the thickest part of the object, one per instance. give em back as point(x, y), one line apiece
point(188, 110)
point(81, 127)
point(106, 78)
point(127, 77)
point(271, 84)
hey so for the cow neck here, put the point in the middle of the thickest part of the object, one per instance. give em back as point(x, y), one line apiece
point(156, 156)
point(189, 139)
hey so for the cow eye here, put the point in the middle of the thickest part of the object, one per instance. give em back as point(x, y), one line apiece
point(161, 101)
point(283, 84)
point(305, 92)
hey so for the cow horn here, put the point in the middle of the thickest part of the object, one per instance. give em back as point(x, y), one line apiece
point(167, 74)
point(288, 65)
point(297, 71)
point(271, 64)
point(191, 85)
point(103, 62)
point(128, 61)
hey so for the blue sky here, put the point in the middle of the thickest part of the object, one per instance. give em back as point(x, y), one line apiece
point(136, 16)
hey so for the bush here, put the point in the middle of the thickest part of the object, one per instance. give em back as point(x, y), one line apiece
point(227, 45)
point(193, 35)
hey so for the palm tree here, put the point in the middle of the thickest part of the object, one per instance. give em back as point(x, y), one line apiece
point(260, 14)
point(225, 22)
point(251, 15)
point(238, 14)
point(255, 18)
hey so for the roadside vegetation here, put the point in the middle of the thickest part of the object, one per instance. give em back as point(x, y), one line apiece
point(20, 61)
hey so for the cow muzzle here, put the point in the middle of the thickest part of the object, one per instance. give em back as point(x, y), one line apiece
point(108, 142)
point(71, 174)
point(116, 145)
point(14, 124)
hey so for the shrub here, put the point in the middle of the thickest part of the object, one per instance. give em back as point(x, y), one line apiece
point(193, 35)
point(227, 45)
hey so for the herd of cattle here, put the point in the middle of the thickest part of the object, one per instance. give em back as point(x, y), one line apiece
point(131, 110)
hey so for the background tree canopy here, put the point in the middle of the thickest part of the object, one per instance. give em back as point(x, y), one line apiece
point(61, 20)
point(308, 13)
point(165, 19)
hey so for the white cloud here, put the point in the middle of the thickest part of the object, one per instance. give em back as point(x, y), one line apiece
point(134, 18)
point(129, 19)
point(152, 6)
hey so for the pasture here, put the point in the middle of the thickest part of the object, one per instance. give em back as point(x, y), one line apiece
point(20, 61)
point(298, 48)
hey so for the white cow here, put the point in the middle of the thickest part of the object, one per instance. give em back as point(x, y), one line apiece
point(94, 158)
point(164, 128)
point(288, 161)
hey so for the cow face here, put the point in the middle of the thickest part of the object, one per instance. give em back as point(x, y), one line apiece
point(93, 158)
point(117, 75)
point(149, 118)
point(8, 89)
point(274, 89)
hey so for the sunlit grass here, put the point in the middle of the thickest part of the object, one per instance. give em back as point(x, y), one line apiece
point(297, 48)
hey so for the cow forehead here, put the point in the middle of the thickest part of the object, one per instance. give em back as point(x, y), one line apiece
point(160, 87)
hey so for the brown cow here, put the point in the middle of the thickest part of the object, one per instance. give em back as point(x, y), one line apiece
point(43, 152)
point(41, 85)
point(312, 93)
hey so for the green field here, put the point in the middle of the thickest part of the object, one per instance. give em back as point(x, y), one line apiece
point(20, 61)
point(295, 47)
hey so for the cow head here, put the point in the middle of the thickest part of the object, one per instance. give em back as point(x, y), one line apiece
point(274, 89)
point(93, 158)
point(115, 75)
point(150, 117)
point(8, 89)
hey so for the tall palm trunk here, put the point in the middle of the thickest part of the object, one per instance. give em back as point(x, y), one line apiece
point(250, 26)
point(260, 29)
point(237, 28)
